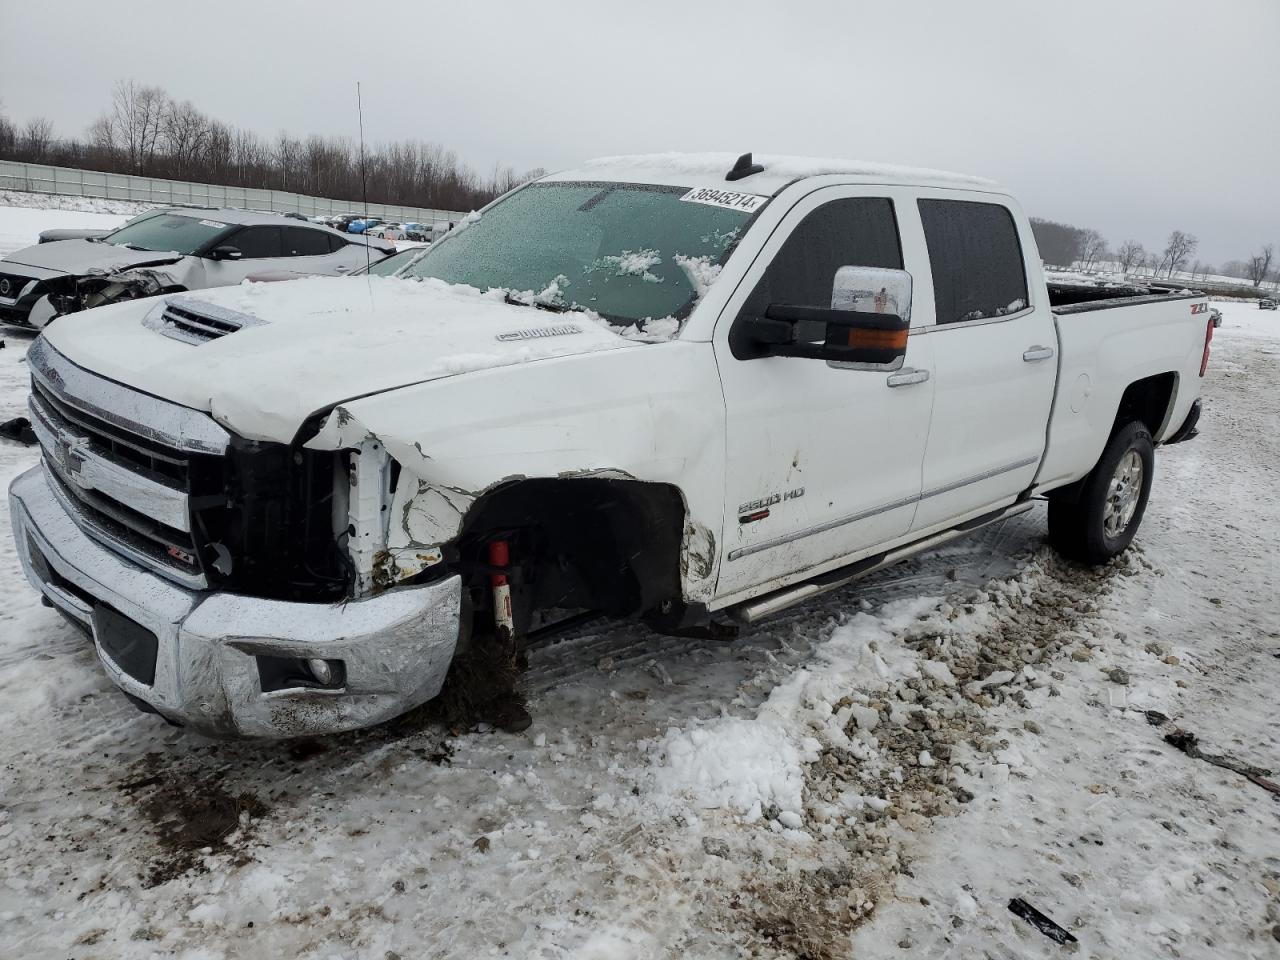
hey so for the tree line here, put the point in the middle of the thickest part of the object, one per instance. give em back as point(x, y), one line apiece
point(145, 131)
point(1064, 245)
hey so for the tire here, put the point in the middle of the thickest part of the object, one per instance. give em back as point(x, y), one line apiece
point(1102, 521)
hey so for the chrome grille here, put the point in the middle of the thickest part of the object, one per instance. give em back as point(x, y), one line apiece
point(196, 322)
point(113, 476)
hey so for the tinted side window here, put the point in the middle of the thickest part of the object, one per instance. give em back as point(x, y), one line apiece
point(257, 242)
point(976, 260)
point(336, 243)
point(301, 242)
point(854, 231)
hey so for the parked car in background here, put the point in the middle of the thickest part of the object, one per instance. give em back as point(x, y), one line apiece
point(695, 392)
point(364, 225)
point(168, 252)
point(408, 230)
point(1266, 304)
point(342, 221)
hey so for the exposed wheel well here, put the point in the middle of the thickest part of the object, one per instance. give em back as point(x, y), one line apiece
point(1148, 401)
point(607, 544)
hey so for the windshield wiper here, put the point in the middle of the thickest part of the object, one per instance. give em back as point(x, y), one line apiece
point(541, 305)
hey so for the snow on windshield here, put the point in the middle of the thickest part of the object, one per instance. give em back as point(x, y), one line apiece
point(630, 264)
point(637, 256)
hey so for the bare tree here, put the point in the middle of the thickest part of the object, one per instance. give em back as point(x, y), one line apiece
point(185, 133)
point(1093, 247)
point(1259, 266)
point(36, 139)
point(1178, 249)
point(133, 126)
point(1130, 255)
point(145, 131)
point(8, 135)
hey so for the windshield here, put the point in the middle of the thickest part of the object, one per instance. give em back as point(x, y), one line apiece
point(167, 232)
point(630, 252)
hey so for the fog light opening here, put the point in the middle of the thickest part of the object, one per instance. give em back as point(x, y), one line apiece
point(291, 673)
point(321, 670)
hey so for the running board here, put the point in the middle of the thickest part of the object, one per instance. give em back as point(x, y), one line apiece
point(755, 610)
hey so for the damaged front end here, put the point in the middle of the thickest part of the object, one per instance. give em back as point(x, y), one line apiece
point(215, 573)
point(98, 288)
point(396, 525)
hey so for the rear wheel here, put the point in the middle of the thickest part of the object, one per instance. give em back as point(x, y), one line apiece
point(1102, 521)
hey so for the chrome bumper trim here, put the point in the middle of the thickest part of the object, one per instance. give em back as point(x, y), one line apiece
point(140, 413)
point(396, 647)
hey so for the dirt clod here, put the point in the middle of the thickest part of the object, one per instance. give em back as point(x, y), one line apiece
point(715, 847)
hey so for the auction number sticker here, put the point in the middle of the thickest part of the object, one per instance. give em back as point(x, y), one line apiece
point(729, 199)
point(212, 223)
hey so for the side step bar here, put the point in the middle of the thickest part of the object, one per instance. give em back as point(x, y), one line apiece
point(755, 610)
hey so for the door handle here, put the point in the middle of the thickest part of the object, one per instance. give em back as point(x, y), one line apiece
point(1032, 354)
point(904, 378)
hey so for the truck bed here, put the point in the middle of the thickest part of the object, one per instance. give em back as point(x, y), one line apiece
point(1077, 298)
point(1103, 346)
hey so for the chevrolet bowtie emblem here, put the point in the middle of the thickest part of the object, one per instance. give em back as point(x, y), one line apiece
point(73, 457)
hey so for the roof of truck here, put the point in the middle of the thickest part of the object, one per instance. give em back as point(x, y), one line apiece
point(709, 169)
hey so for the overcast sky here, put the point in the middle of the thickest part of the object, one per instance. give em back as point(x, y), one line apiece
point(1132, 116)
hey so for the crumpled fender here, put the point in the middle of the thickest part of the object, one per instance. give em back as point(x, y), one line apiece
point(653, 414)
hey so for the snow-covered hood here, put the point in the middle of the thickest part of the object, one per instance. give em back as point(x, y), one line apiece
point(82, 256)
point(313, 343)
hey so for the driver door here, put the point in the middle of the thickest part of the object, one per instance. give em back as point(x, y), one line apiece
point(261, 248)
point(823, 462)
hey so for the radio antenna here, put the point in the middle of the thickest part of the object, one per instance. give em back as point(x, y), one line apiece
point(364, 179)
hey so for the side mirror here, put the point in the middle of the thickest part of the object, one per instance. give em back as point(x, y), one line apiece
point(872, 290)
point(225, 252)
point(866, 327)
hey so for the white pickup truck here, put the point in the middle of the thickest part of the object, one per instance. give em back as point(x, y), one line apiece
point(681, 388)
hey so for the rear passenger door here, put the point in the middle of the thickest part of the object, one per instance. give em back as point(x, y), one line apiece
point(315, 251)
point(994, 356)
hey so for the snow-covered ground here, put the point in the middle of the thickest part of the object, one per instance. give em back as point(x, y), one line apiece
point(875, 774)
point(24, 215)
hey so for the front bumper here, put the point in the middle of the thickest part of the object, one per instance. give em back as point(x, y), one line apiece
point(396, 647)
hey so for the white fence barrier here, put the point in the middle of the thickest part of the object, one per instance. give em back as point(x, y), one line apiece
point(68, 181)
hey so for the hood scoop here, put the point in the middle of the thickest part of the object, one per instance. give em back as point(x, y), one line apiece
point(196, 322)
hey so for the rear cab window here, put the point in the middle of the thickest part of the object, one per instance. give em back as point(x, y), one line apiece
point(976, 259)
